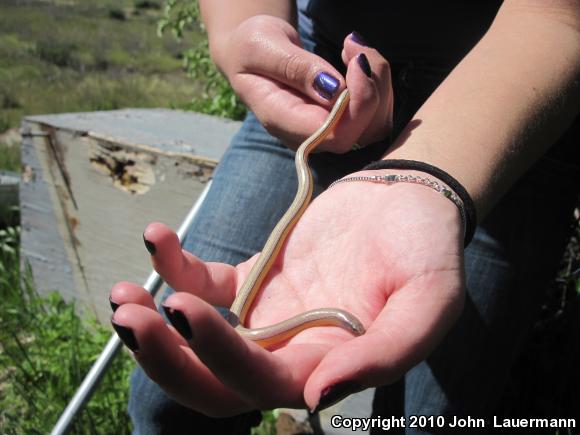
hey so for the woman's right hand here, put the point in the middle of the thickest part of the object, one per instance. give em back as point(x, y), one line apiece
point(390, 255)
point(291, 90)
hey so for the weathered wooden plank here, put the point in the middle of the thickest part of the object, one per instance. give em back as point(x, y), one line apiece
point(171, 131)
point(93, 186)
point(41, 243)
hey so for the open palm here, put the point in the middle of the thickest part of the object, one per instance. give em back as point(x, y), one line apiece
point(391, 255)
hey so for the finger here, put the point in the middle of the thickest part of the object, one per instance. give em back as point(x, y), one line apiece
point(128, 293)
point(184, 272)
point(125, 292)
point(353, 44)
point(273, 50)
point(239, 363)
point(411, 324)
point(284, 112)
point(382, 122)
point(303, 118)
point(175, 368)
point(364, 101)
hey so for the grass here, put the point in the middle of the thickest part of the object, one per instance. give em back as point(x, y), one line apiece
point(74, 56)
point(45, 351)
point(68, 56)
point(9, 157)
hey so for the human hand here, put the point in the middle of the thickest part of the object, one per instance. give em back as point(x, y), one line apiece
point(391, 255)
point(291, 91)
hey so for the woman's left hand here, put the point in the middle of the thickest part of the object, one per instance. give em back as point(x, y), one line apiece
point(291, 90)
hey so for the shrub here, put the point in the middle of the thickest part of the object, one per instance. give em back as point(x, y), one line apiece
point(46, 351)
point(147, 4)
point(8, 101)
point(117, 14)
point(56, 52)
point(5, 123)
point(217, 97)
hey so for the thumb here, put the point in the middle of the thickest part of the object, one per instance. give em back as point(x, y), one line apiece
point(277, 53)
point(408, 328)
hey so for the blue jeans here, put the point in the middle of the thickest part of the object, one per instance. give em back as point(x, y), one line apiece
point(513, 257)
point(514, 254)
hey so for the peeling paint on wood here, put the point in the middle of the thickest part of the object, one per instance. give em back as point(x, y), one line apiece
point(88, 197)
point(130, 171)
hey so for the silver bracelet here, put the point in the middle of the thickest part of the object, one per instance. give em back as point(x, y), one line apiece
point(415, 179)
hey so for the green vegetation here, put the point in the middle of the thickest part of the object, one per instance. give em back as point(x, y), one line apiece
point(79, 56)
point(182, 18)
point(268, 425)
point(45, 352)
point(9, 157)
point(63, 57)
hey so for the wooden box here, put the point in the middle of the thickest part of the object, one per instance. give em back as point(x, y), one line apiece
point(91, 183)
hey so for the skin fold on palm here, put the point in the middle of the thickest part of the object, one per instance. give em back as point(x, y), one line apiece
point(367, 248)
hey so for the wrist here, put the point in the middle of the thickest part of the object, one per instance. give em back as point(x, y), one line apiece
point(466, 205)
point(463, 171)
point(417, 179)
point(218, 52)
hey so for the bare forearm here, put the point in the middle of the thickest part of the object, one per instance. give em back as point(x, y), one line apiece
point(505, 103)
point(222, 16)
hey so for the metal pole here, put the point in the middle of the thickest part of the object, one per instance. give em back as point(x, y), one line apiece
point(97, 371)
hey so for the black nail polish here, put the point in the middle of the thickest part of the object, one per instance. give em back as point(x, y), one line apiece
point(114, 305)
point(126, 335)
point(149, 245)
point(326, 85)
point(335, 393)
point(363, 62)
point(178, 320)
point(358, 38)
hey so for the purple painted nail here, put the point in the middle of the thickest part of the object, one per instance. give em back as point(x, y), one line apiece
point(363, 62)
point(325, 85)
point(358, 38)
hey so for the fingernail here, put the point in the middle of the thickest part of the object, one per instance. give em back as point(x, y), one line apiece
point(178, 320)
point(149, 245)
point(358, 38)
point(335, 393)
point(126, 335)
point(326, 85)
point(363, 62)
point(114, 305)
